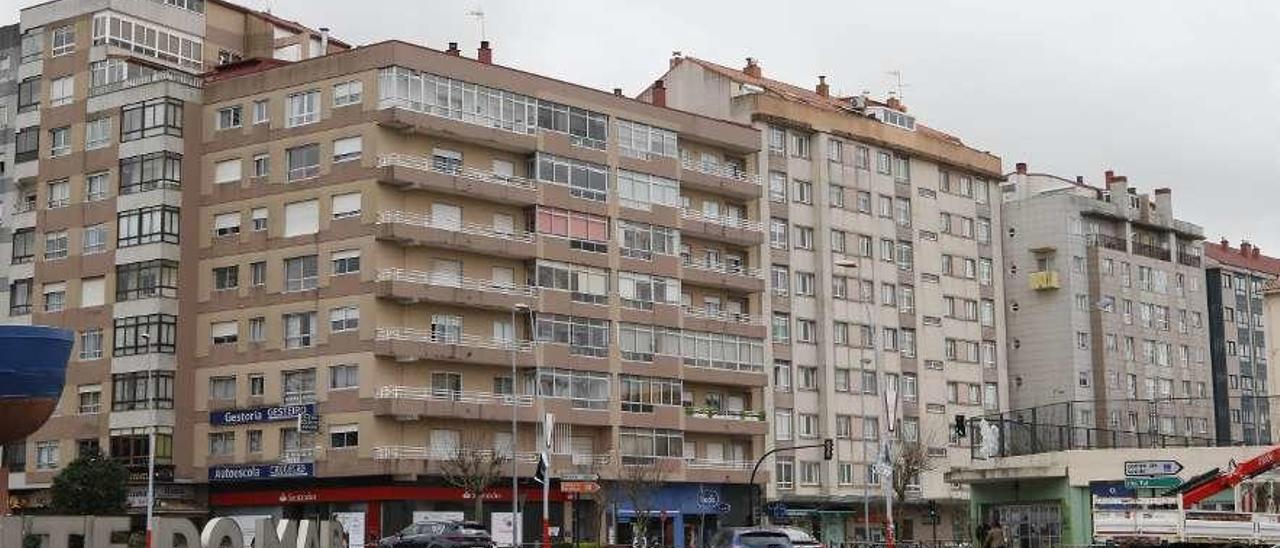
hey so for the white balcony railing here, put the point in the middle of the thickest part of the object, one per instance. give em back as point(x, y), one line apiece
point(144, 79)
point(722, 315)
point(718, 464)
point(588, 459)
point(418, 452)
point(423, 277)
point(423, 163)
point(425, 220)
point(723, 220)
point(411, 334)
point(416, 393)
point(723, 268)
point(727, 171)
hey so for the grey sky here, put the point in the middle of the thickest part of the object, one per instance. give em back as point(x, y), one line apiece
point(1170, 93)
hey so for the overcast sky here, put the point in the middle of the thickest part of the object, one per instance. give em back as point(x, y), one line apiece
point(1170, 93)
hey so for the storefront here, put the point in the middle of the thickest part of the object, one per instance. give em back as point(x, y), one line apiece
point(680, 514)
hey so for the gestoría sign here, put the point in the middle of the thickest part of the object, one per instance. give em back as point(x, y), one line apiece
point(260, 414)
point(253, 472)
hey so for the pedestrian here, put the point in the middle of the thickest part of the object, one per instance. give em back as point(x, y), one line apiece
point(982, 534)
point(995, 536)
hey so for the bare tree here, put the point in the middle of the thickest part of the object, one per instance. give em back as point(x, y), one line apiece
point(638, 486)
point(474, 470)
point(910, 460)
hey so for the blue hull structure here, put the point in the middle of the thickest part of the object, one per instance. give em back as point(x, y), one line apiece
point(33, 367)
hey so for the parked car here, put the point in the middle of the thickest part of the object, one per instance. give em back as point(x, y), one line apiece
point(439, 534)
point(801, 538)
point(750, 537)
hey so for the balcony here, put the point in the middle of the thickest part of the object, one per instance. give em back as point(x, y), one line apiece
point(723, 421)
point(426, 173)
point(721, 471)
point(722, 321)
point(720, 179)
point(1044, 280)
point(421, 229)
point(183, 78)
point(721, 228)
point(408, 116)
point(408, 344)
point(413, 403)
point(1152, 251)
point(413, 286)
point(1107, 241)
point(722, 316)
point(715, 274)
point(1189, 259)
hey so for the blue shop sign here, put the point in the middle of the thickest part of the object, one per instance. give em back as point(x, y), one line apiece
point(253, 472)
point(260, 414)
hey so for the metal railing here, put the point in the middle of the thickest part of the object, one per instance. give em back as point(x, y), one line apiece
point(425, 220)
point(723, 220)
point(151, 78)
point(722, 268)
point(718, 464)
point(1153, 251)
point(722, 315)
point(294, 456)
point(724, 414)
point(411, 334)
point(727, 171)
point(417, 393)
point(422, 163)
point(590, 459)
point(453, 281)
point(1108, 241)
point(1189, 259)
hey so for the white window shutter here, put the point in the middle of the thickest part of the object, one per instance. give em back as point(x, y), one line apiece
point(223, 329)
point(226, 220)
point(346, 204)
point(227, 171)
point(301, 218)
point(92, 292)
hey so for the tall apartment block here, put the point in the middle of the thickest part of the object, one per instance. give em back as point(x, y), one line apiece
point(422, 247)
point(883, 279)
point(10, 54)
point(107, 141)
point(1236, 281)
point(1106, 313)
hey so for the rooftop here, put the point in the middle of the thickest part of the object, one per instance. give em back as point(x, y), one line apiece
point(1247, 256)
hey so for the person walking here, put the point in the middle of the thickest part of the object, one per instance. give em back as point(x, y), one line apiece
point(995, 536)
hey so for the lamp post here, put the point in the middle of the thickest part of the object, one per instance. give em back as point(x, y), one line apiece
point(151, 465)
point(515, 470)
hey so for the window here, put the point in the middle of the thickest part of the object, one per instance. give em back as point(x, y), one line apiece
point(299, 329)
point(804, 284)
point(346, 318)
point(224, 333)
point(95, 186)
point(20, 297)
point(303, 162)
point(778, 233)
point(151, 41)
point(150, 171)
point(346, 206)
point(92, 292)
point(777, 140)
point(347, 93)
point(226, 171)
point(147, 279)
point(90, 399)
point(587, 284)
point(806, 330)
point(585, 336)
point(302, 218)
point(641, 394)
point(55, 245)
point(226, 277)
point(226, 224)
point(344, 376)
point(59, 194)
point(782, 424)
point(347, 149)
point(222, 444)
point(643, 141)
point(91, 344)
point(59, 142)
point(782, 376)
point(785, 472)
point(150, 118)
point(345, 262)
point(641, 190)
point(344, 435)
point(799, 145)
point(46, 455)
point(229, 117)
point(62, 91)
point(804, 237)
point(585, 390)
point(64, 40)
point(261, 111)
point(804, 192)
point(584, 179)
point(642, 445)
point(257, 330)
point(642, 290)
point(781, 332)
point(142, 390)
point(300, 273)
point(587, 232)
point(222, 388)
point(152, 333)
point(303, 108)
point(29, 94)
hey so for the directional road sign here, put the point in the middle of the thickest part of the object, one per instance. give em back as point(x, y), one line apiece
point(1159, 482)
point(1151, 467)
point(580, 487)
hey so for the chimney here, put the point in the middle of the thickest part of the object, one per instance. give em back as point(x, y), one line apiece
point(658, 94)
point(1079, 179)
point(324, 40)
point(752, 69)
point(1224, 242)
point(1106, 177)
point(453, 50)
point(894, 103)
point(1164, 203)
point(1021, 167)
point(617, 92)
point(823, 89)
point(485, 53)
point(675, 59)
point(1256, 252)
point(1245, 247)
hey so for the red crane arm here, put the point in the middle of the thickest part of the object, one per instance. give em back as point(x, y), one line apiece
point(1227, 480)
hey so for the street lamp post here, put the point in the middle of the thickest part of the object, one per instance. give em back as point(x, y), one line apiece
point(515, 470)
point(151, 469)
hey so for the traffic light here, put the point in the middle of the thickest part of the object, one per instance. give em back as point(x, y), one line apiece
point(933, 512)
point(961, 423)
point(828, 449)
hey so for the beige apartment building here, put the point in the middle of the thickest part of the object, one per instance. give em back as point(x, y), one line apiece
point(107, 140)
point(383, 237)
point(883, 281)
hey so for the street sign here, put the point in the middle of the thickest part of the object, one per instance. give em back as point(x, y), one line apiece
point(579, 487)
point(308, 423)
point(579, 477)
point(1151, 467)
point(1159, 482)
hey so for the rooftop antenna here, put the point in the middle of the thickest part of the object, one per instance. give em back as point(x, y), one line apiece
point(897, 74)
point(478, 13)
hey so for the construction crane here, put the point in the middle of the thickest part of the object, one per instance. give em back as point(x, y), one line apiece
point(1208, 484)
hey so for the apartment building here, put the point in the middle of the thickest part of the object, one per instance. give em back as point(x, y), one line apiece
point(883, 286)
point(416, 246)
point(1106, 312)
point(10, 40)
point(1236, 282)
point(107, 128)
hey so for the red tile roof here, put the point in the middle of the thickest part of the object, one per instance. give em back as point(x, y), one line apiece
point(1225, 254)
point(804, 95)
